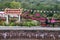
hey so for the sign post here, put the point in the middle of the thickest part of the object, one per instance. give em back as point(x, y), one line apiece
point(19, 18)
point(7, 19)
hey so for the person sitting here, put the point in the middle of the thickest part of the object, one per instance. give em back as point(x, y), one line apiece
point(53, 21)
point(47, 21)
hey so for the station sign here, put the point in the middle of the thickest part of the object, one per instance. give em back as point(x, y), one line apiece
point(13, 11)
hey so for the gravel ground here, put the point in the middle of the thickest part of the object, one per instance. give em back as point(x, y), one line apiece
point(20, 39)
point(29, 39)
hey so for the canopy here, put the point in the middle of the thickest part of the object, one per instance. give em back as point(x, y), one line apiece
point(1, 12)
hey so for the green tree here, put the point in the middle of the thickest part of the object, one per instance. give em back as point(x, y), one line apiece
point(14, 4)
point(1, 6)
point(58, 7)
point(7, 5)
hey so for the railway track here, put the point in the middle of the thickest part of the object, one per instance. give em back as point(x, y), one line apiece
point(20, 39)
point(29, 35)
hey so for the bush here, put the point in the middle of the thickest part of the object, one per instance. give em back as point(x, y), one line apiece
point(12, 24)
point(30, 23)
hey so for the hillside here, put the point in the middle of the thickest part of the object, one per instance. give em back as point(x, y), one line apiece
point(33, 1)
point(36, 4)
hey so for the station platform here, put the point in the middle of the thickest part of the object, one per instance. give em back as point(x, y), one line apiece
point(28, 28)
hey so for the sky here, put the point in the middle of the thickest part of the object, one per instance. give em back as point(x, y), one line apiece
point(58, 0)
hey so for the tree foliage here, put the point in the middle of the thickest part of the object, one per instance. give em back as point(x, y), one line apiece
point(14, 4)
